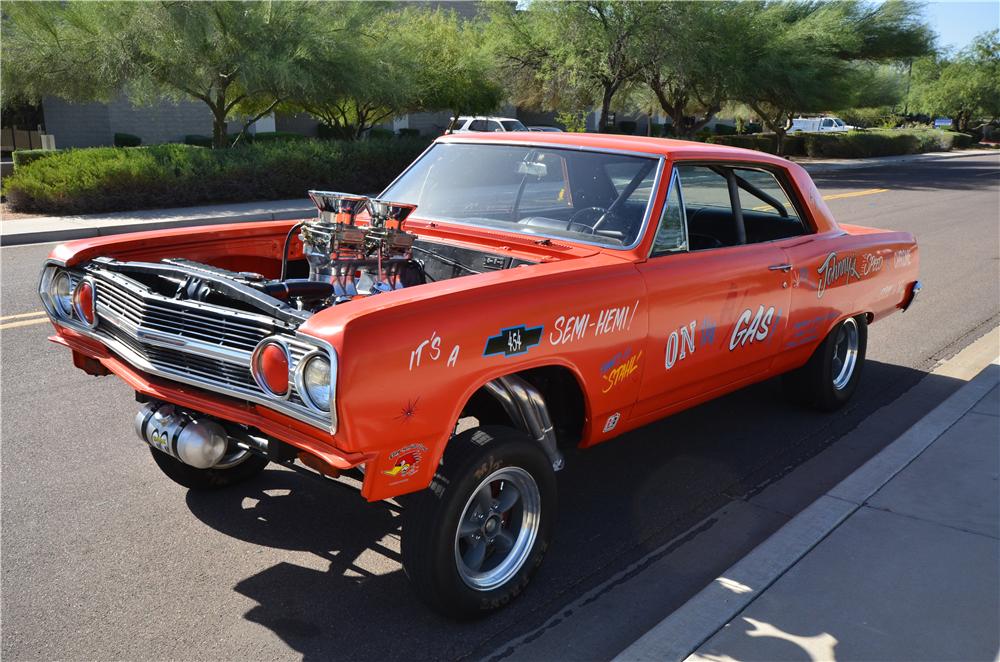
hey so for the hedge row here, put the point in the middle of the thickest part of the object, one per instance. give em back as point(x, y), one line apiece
point(102, 179)
point(853, 144)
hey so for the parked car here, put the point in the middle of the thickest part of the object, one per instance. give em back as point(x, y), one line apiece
point(818, 125)
point(549, 129)
point(488, 124)
point(506, 297)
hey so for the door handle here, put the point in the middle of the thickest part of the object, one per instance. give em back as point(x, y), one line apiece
point(780, 267)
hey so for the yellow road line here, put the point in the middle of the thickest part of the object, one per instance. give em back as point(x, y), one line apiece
point(20, 315)
point(14, 325)
point(855, 194)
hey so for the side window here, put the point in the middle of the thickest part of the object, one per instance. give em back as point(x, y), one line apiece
point(671, 235)
point(766, 209)
point(708, 209)
point(494, 126)
point(827, 124)
point(477, 125)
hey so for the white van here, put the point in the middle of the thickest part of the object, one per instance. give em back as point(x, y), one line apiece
point(818, 124)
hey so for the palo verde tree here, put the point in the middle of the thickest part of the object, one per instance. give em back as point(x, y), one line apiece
point(690, 52)
point(241, 59)
point(562, 54)
point(964, 87)
point(399, 62)
point(803, 56)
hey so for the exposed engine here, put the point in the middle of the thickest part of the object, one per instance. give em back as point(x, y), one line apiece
point(344, 260)
point(359, 260)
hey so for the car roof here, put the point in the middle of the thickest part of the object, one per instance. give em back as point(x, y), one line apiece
point(666, 147)
point(488, 117)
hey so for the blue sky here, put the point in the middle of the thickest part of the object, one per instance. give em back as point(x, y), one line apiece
point(957, 23)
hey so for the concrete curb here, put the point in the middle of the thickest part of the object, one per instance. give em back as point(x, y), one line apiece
point(681, 633)
point(84, 231)
point(818, 168)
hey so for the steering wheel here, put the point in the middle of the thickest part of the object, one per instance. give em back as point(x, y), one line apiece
point(600, 213)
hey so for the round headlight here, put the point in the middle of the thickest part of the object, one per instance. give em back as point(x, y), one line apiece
point(61, 291)
point(269, 367)
point(316, 381)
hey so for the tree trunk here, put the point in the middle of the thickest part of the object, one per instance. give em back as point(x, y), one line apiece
point(677, 117)
point(609, 93)
point(220, 139)
point(779, 141)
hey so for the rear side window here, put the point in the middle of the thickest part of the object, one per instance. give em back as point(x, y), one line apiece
point(477, 125)
point(763, 182)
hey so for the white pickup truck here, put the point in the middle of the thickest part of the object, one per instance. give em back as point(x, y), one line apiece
point(818, 125)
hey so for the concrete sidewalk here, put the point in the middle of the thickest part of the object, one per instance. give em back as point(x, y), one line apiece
point(64, 228)
point(900, 561)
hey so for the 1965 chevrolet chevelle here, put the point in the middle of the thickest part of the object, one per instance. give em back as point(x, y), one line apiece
point(506, 296)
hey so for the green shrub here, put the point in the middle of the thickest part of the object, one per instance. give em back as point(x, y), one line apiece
point(853, 144)
point(127, 140)
point(962, 140)
point(409, 133)
point(725, 130)
point(628, 127)
point(271, 136)
point(23, 157)
point(106, 179)
point(762, 142)
point(379, 133)
point(200, 141)
point(877, 142)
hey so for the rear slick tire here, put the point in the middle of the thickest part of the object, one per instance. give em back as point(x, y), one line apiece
point(474, 538)
point(832, 374)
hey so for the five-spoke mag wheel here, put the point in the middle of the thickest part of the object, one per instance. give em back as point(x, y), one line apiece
point(497, 528)
point(472, 541)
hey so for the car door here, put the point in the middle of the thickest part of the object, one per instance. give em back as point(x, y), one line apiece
point(717, 305)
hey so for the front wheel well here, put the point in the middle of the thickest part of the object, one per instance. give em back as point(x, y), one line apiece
point(563, 398)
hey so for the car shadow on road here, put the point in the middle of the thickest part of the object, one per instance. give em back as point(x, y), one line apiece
point(619, 501)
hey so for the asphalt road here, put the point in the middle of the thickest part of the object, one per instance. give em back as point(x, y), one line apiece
point(103, 557)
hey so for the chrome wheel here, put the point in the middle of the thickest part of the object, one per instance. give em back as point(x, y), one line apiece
point(497, 528)
point(845, 353)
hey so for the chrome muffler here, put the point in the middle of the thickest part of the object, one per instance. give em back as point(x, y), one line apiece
point(186, 436)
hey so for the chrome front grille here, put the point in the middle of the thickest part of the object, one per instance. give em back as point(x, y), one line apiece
point(192, 342)
point(189, 320)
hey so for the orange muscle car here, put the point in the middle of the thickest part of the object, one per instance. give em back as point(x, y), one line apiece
point(506, 296)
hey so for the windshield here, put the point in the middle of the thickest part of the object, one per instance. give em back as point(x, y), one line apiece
point(595, 197)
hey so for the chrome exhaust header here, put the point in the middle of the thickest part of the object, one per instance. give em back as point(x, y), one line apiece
point(193, 439)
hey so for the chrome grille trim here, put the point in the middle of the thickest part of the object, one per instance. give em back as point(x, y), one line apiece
point(194, 343)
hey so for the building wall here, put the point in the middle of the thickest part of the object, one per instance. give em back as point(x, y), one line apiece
point(300, 123)
point(94, 124)
point(77, 124)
